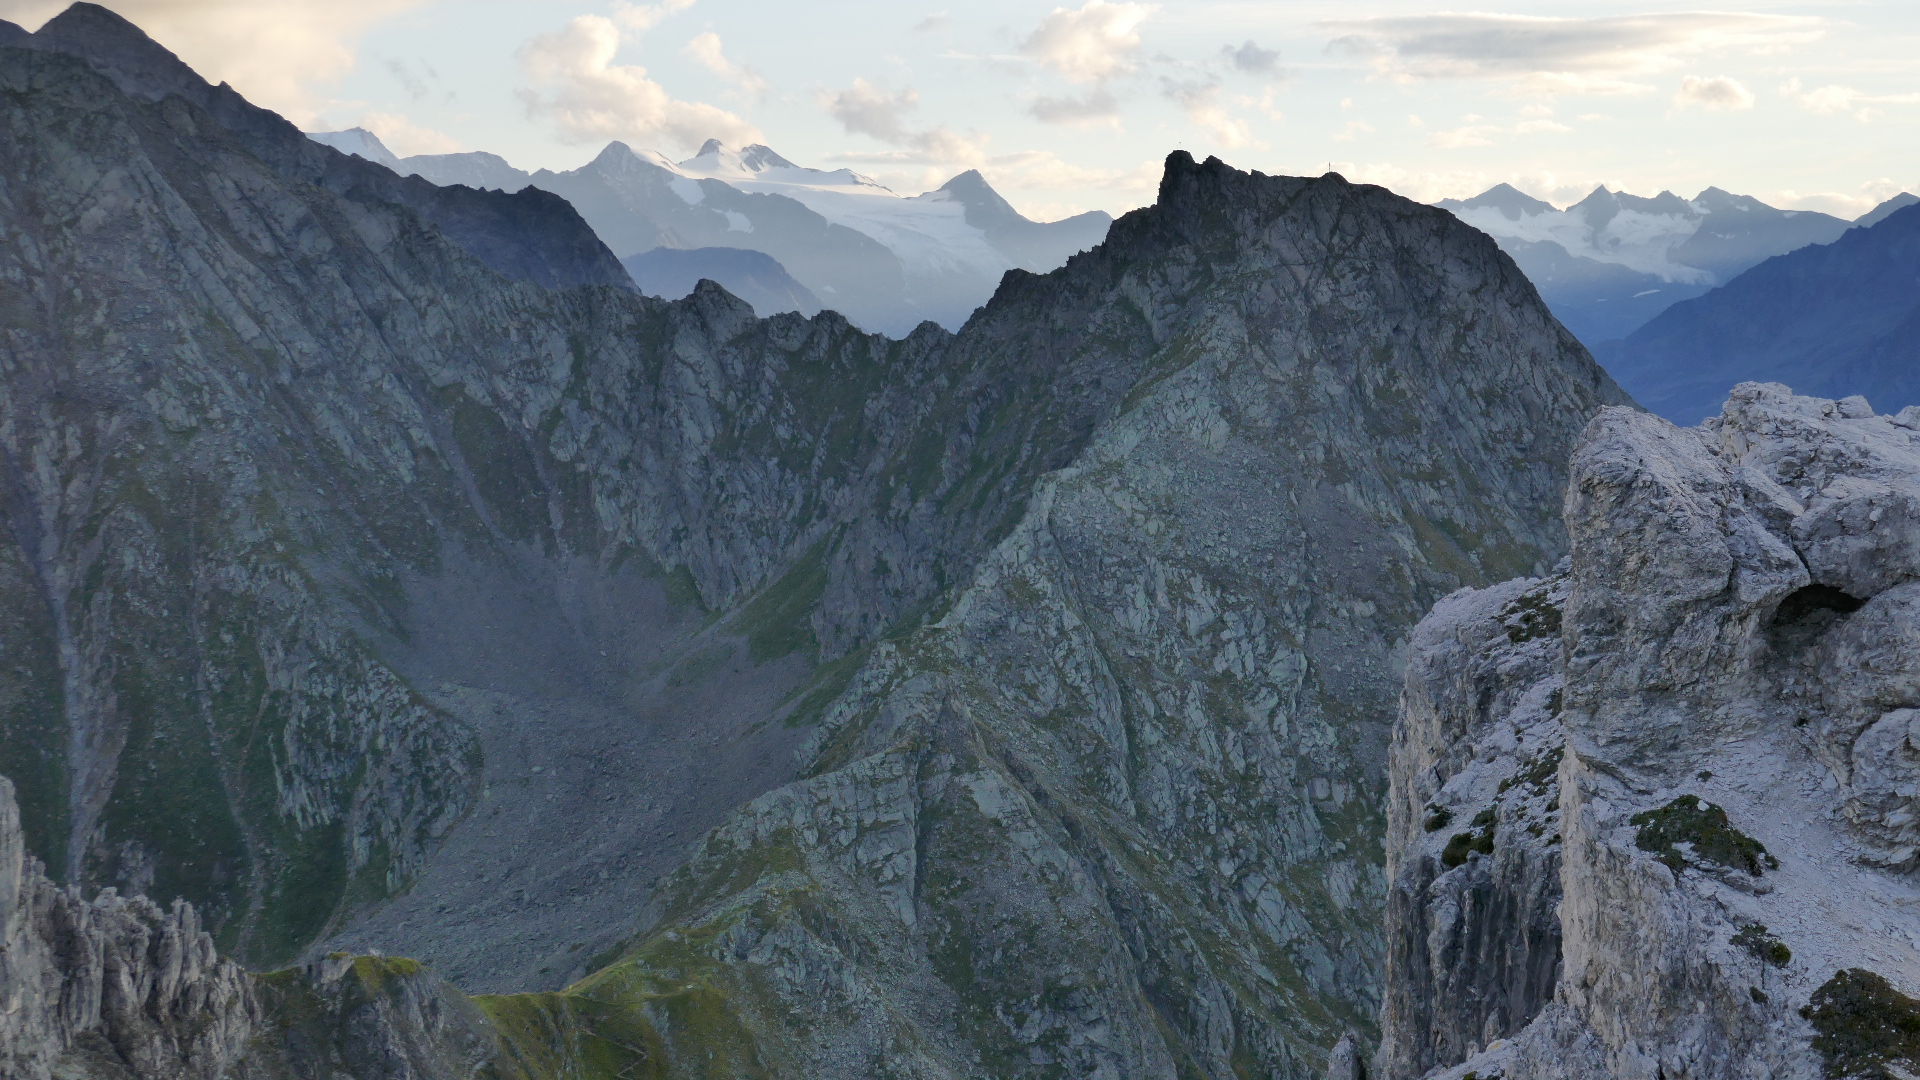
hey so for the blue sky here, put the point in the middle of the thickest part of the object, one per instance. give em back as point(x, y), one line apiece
point(1070, 107)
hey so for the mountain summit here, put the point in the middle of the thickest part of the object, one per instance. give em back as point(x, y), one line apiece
point(887, 261)
point(1612, 261)
point(758, 694)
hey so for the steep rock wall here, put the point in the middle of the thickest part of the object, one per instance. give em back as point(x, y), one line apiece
point(1735, 799)
point(1116, 813)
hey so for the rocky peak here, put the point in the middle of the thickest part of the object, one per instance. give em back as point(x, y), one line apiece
point(530, 234)
point(1705, 722)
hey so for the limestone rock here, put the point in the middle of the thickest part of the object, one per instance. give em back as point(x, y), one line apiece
point(109, 983)
point(1735, 660)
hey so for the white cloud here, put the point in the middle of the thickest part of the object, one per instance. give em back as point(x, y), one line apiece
point(640, 18)
point(1839, 99)
point(278, 55)
point(936, 21)
point(1843, 204)
point(1559, 55)
point(1202, 104)
point(865, 109)
point(1474, 133)
point(1098, 108)
point(588, 97)
point(706, 50)
point(406, 138)
point(1719, 94)
point(1093, 44)
point(1353, 129)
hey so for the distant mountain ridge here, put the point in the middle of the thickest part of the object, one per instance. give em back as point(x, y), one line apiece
point(531, 236)
point(885, 260)
point(753, 276)
point(1831, 320)
point(1612, 261)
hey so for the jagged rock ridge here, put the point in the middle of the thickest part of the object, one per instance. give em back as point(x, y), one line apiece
point(1728, 663)
point(531, 235)
point(1085, 620)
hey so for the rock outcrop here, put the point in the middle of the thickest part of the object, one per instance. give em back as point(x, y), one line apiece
point(531, 235)
point(1008, 703)
point(1115, 812)
point(90, 986)
point(1728, 663)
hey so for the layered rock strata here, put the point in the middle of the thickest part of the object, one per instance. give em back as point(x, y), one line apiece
point(1733, 685)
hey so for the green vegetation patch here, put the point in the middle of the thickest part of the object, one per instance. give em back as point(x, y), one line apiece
point(1865, 1028)
point(1531, 616)
point(779, 621)
point(1704, 828)
point(1754, 938)
point(1536, 775)
point(1438, 817)
point(1479, 838)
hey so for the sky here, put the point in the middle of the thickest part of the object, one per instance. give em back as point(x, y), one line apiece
point(1809, 105)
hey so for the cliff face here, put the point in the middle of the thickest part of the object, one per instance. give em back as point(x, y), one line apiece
point(1005, 703)
point(1732, 680)
point(1116, 813)
point(530, 235)
point(87, 985)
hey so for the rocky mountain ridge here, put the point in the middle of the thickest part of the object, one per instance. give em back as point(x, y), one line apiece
point(790, 700)
point(887, 261)
point(1612, 261)
point(1835, 320)
point(530, 236)
point(1652, 816)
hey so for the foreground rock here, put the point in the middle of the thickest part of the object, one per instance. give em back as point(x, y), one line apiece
point(1729, 664)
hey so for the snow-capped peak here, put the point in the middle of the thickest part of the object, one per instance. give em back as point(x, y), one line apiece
point(759, 168)
point(359, 142)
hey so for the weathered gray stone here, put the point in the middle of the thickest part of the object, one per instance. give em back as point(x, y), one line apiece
point(1741, 638)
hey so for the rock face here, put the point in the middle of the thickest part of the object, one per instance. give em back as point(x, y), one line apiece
point(1728, 663)
point(530, 235)
point(1116, 812)
point(1007, 703)
point(86, 985)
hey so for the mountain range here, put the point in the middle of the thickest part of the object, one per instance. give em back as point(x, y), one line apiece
point(886, 261)
point(1266, 645)
point(1612, 261)
point(721, 695)
point(1836, 319)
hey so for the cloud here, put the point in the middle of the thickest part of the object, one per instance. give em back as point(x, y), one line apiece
point(1252, 58)
point(1202, 104)
point(278, 54)
point(1558, 55)
point(1841, 204)
point(1354, 129)
point(705, 50)
point(406, 138)
point(1839, 99)
point(1475, 133)
point(865, 109)
point(588, 97)
point(934, 22)
point(640, 18)
point(1099, 108)
point(1093, 44)
point(1719, 94)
